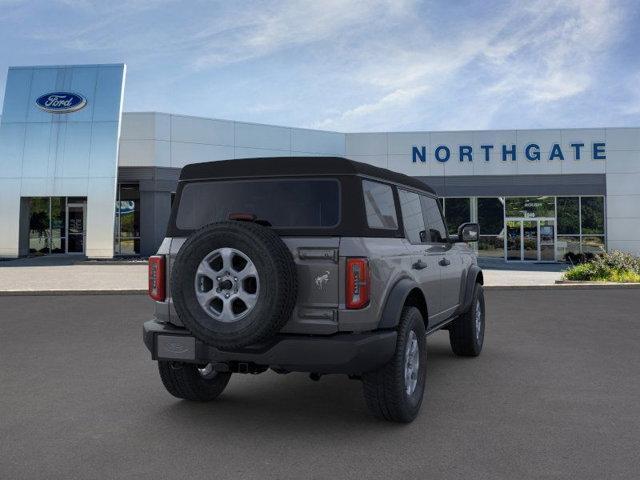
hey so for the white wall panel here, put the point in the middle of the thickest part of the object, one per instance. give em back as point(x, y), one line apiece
point(185, 153)
point(366, 144)
point(623, 139)
point(140, 153)
point(139, 126)
point(623, 183)
point(243, 152)
point(262, 136)
point(313, 141)
point(202, 130)
point(376, 160)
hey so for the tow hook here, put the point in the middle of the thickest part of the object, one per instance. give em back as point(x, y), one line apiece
point(315, 376)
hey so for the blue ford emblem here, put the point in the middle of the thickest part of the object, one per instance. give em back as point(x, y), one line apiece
point(61, 102)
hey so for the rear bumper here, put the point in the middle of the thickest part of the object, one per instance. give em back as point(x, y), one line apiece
point(340, 353)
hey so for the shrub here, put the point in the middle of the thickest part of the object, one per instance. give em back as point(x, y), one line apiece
point(615, 266)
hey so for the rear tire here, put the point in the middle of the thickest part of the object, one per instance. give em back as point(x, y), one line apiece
point(390, 392)
point(466, 333)
point(188, 381)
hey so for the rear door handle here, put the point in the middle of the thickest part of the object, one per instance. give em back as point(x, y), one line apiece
point(444, 262)
point(419, 265)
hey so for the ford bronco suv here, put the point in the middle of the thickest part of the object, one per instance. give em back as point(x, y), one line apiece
point(320, 265)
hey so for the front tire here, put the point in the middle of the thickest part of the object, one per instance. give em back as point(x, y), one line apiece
point(395, 391)
point(192, 382)
point(466, 333)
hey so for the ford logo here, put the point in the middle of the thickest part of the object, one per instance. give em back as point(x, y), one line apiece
point(61, 102)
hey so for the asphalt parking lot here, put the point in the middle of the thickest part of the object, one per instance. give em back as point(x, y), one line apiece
point(555, 394)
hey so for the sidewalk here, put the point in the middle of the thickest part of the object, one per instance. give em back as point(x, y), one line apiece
point(58, 275)
point(63, 274)
point(498, 273)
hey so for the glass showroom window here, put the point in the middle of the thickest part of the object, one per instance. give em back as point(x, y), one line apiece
point(580, 225)
point(127, 228)
point(592, 223)
point(456, 211)
point(47, 225)
point(568, 226)
point(530, 207)
point(491, 221)
point(39, 225)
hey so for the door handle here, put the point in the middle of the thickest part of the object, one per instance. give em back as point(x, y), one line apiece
point(444, 262)
point(419, 265)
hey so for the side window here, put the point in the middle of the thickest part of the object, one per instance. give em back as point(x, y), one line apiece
point(379, 205)
point(412, 216)
point(436, 231)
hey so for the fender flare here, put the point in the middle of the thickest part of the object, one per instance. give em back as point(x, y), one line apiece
point(395, 302)
point(474, 275)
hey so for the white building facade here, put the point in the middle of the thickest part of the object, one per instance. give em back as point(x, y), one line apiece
point(537, 194)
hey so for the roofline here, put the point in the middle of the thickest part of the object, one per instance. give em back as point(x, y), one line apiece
point(292, 166)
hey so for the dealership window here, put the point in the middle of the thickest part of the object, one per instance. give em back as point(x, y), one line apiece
point(530, 207)
point(580, 225)
point(456, 212)
point(51, 220)
point(491, 221)
point(127, 226)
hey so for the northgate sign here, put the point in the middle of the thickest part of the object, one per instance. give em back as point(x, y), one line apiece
point(531, 152)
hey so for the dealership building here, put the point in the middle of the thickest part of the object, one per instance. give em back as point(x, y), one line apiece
point(80, 176)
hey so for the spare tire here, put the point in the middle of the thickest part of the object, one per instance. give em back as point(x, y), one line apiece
point(234, 284)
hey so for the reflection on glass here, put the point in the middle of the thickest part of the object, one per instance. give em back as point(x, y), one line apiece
point(593, 244)
point(568, 244)
point(530, 207)
point(58, 217)
point(592, 215)
point(75, 238)
point(568, 216)
point(58, 244)
point(127, 220)
point(513, 240)
point(456, 211)
point(491, 246)
point(39, 225)
point(491, 215)
point(547, 242)
point(530, 240)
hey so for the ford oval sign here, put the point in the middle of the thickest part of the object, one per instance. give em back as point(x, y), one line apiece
point(61, 102)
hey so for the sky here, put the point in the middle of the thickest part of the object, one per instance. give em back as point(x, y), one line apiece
point(351, 66)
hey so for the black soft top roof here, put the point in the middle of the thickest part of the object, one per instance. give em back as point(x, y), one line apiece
point(294, 166)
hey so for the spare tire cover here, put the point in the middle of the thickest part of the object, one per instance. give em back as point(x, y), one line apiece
point(234, 284)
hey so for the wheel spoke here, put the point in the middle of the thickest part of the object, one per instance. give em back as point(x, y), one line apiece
point(227, 258)
point(205, 269)
point(249, 270)
point(205, 297)
point(248, 298)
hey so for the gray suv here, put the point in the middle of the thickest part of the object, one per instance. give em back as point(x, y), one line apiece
point(320, 265)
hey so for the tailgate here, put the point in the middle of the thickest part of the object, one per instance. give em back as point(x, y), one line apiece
point(316, 260)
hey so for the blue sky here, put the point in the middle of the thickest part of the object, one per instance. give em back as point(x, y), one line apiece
point(372, 65)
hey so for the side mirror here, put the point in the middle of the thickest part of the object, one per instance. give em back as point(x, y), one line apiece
point(468, 232)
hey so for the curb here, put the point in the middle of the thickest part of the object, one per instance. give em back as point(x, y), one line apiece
point(565, 286)
point(22, 293)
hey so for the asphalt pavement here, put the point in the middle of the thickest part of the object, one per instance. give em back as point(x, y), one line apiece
point(555, 394)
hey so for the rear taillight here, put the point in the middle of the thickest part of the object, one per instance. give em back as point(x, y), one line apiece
point(156, 278)
point(357, 283)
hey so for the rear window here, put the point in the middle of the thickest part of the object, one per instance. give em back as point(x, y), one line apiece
point(298, 203)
